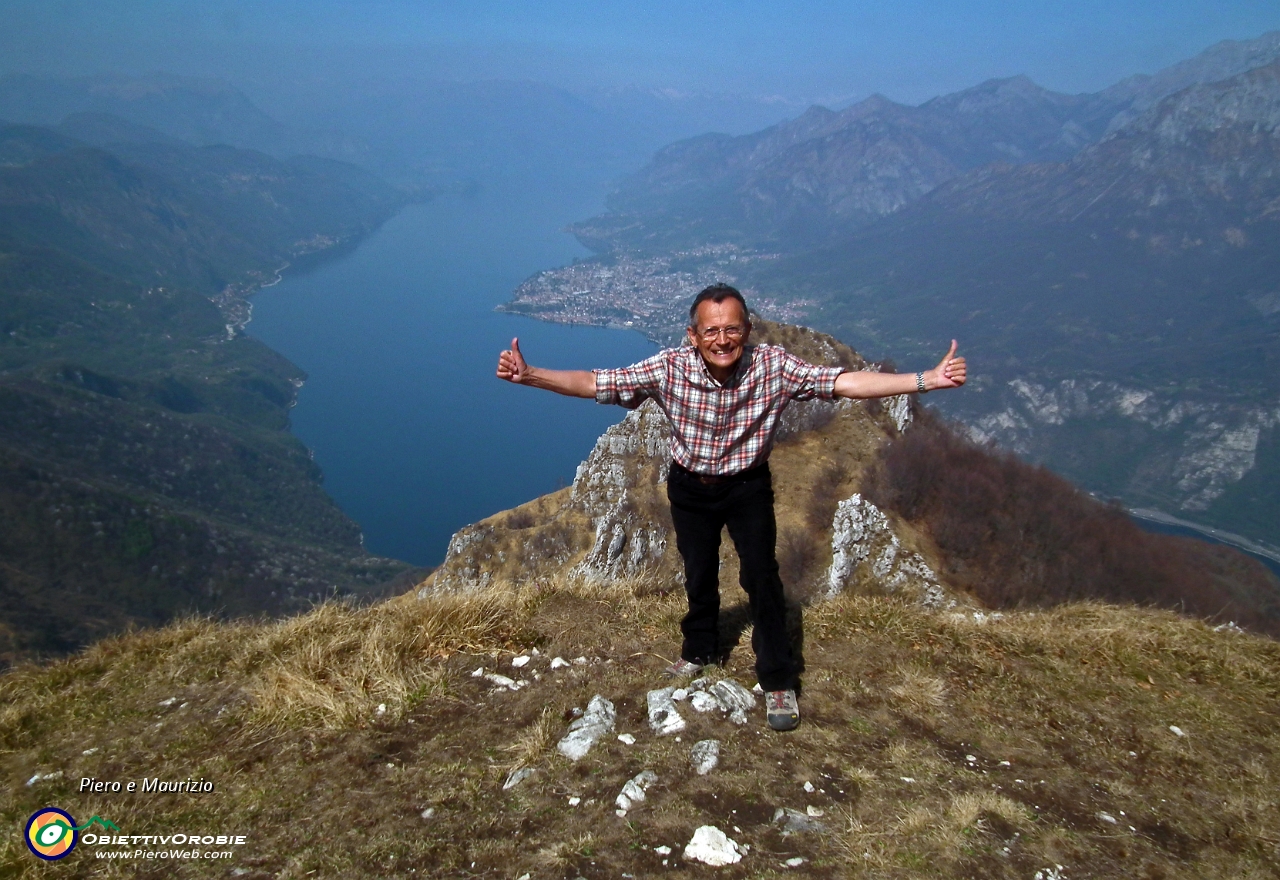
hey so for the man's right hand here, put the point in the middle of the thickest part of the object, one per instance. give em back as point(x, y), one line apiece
point(511, 365)
point(571, 383)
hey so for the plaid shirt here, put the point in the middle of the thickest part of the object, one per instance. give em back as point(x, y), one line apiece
point(719, 429)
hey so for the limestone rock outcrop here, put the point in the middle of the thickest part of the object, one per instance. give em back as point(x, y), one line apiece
point(614, 489)
point(864, 545)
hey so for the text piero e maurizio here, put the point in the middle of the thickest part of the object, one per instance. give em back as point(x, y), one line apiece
point(189, 785)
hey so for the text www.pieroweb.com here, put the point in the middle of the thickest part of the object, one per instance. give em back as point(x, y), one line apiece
point(184, 846)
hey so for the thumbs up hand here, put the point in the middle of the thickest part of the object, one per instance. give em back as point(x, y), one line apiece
point(950, 372)
point(511, 365)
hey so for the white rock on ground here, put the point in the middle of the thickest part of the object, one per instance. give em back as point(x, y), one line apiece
point(735, 699)
point(704, 756)
point(586, 731)
point(44, 777)
point(795, 822)
point(517, 776)
point(704, 702)
point(724, 695)
point(711, 846)
point(499, 680)
point(663, 717)
point(633, 791)
point(504, 682)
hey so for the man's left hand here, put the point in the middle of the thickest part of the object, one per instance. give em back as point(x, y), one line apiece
point(950, 372)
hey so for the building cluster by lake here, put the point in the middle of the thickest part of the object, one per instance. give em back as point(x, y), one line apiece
point(650, 294)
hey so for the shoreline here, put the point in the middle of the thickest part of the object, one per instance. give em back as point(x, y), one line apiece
point(1223, 537)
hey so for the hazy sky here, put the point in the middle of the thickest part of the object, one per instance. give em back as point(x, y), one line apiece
point(805, 51)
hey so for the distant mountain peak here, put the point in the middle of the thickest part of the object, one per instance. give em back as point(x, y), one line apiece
point(1014, 92)
point(1220, 61)
point(876, 103)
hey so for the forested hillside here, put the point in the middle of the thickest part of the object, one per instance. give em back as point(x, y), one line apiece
point(145, 464)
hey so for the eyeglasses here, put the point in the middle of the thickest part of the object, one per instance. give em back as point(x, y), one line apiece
point(711, 334)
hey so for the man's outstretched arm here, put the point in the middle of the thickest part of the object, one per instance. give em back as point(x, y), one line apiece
point(949, 373)
point(571, 383)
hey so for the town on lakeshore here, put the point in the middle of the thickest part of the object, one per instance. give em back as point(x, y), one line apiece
point(649, 294)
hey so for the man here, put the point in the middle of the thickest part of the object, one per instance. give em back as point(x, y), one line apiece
point(723, 398)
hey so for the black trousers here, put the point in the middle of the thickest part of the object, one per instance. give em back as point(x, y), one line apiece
point(699, 511)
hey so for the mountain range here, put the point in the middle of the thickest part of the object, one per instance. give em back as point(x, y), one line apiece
point(422, 134)
point(828, 172)
point(1108, 260)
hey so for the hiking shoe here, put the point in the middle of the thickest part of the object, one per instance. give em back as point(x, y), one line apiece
point(783, 711)
point(682, 669)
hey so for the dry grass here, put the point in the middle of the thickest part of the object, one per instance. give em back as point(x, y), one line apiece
point(920, 692)
point(935, 745)
point(534, 744)
point(333, 667)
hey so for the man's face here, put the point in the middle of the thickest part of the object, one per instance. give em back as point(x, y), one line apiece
point(719, 335)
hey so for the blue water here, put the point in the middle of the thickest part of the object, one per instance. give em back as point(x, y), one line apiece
point(415, 435)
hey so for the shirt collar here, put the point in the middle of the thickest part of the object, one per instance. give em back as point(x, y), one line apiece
point(735, 379)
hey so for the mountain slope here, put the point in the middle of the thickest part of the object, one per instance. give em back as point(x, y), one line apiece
point(1220, 61)
point(175, 214)
point(805, 179)
point(198, 111)
point(1120, 303)
point(144, 459)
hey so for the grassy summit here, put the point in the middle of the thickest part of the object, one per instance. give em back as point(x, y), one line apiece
point(356, 742)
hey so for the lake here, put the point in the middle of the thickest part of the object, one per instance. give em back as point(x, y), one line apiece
point(414, 433)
